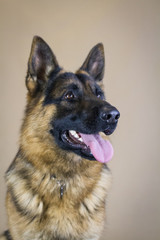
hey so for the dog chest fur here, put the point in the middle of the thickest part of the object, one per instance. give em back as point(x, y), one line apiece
point(38, 201)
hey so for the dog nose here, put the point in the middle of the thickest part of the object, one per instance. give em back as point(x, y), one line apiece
point(110, 116)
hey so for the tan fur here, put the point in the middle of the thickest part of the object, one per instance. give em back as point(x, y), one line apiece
point(35, 207)
point(82, 209)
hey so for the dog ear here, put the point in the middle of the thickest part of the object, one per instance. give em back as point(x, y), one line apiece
point(95, 62)
point(41, 63)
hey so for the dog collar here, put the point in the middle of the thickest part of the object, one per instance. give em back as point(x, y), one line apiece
point(61, 184)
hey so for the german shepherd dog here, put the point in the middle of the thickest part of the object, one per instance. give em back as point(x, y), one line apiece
point(59, 179)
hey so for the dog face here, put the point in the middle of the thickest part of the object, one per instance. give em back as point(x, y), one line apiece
point(80, 109)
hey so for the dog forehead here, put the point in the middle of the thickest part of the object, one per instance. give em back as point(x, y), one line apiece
point(67, 80)
point(86, 80)
point(77, 80)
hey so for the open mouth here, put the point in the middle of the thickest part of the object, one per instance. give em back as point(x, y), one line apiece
point(74, 139)
point(90, 145)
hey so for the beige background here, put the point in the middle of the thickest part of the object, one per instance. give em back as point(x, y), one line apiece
point(130, 31)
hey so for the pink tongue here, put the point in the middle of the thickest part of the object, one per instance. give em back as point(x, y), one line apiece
point(101, 149)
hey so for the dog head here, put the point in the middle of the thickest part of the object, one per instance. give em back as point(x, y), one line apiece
point(81, 111)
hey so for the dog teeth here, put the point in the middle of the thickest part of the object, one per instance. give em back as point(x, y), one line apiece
point(75, 135)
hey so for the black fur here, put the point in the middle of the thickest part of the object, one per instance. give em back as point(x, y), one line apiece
point(7, 235)
point(80, 102)
point(82, 113)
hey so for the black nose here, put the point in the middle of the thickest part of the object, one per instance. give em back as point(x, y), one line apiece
point(110, 116)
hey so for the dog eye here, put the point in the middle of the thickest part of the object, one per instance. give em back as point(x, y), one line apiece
point(99, 94)
point(69, 95)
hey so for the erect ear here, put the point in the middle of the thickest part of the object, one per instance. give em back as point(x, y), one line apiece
point(95, 61)
point(41, 63)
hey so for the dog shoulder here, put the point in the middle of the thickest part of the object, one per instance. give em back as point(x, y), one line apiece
point(19, 178)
